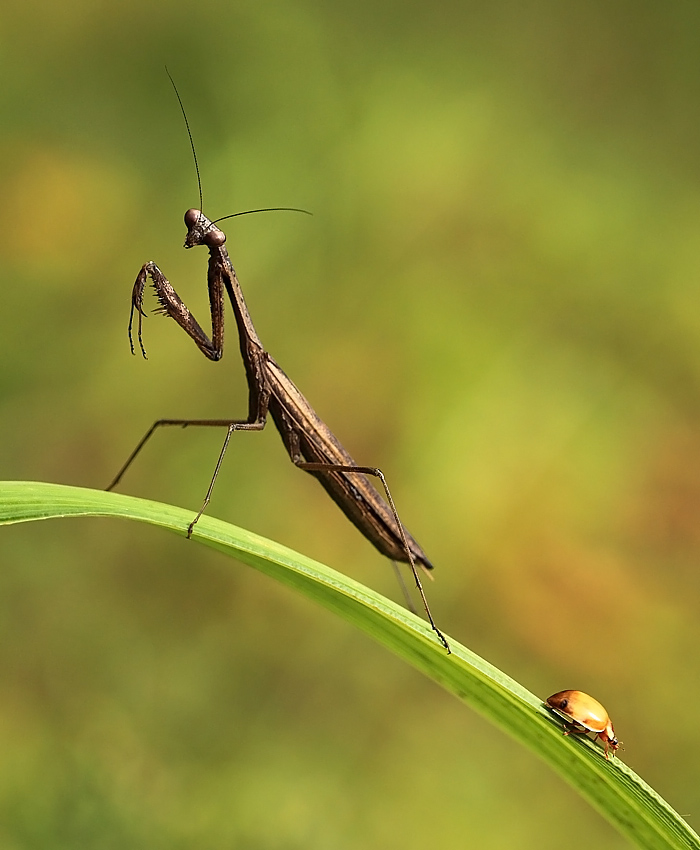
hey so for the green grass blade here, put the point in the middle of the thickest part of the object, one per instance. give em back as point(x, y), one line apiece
point(612, 788)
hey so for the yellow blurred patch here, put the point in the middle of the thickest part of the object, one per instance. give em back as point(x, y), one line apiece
point(58, 208)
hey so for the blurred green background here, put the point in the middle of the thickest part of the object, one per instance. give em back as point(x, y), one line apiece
point(497, 301)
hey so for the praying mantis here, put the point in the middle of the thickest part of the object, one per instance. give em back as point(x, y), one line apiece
point(308, 440)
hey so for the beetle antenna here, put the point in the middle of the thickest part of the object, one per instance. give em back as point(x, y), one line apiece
point(187, 125)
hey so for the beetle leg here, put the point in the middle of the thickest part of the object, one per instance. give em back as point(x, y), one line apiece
point(576, 730)
point(606, 744)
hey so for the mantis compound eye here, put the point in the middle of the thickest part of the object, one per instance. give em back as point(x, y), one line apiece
point(214, 238)
point(192, 217)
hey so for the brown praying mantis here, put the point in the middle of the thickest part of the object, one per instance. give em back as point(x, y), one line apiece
point(308, 440)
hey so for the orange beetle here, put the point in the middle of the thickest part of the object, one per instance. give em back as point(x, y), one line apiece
point(585, 714)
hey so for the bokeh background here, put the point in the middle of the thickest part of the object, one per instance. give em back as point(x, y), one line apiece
point(497, 301)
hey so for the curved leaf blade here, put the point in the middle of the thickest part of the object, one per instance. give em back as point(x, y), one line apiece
point(610, 786)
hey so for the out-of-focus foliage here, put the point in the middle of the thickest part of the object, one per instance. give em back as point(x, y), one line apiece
point(608, 784)
point(497, 301)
